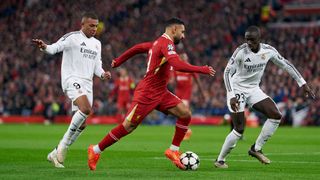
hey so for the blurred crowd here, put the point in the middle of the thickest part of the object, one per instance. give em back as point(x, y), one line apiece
point(30, 79)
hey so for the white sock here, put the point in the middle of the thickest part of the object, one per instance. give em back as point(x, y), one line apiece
point(174, 148)
point(96, 149)
point(269, 127)
point(229, 143)
point(75, 136)
point(77, 119)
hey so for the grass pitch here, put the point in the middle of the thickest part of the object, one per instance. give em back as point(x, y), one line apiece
point(294, 152)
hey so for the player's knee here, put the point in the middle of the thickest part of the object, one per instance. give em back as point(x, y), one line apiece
point(276, 115)
point(86, 110)
point(129, 127)
point(186, 114)
point(239, 130)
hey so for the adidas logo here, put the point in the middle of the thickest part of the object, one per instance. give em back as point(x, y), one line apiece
point(247, 60)
point(83, 44)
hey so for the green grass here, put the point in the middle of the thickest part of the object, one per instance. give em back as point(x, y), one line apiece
point(295, 154)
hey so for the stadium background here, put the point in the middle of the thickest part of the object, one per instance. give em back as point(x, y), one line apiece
point(30, 80)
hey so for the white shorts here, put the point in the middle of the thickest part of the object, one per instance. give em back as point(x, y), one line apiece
point(76, 87)
point(247, 97)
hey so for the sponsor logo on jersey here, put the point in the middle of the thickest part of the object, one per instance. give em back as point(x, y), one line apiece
point(255, 67)
point(170, 47)
point(247, 60)
point(171, 52)
point(83, 44)
point(88, 53)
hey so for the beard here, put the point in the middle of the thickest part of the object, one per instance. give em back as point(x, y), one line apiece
point(176, 40)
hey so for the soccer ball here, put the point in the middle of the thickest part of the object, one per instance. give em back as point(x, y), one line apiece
point(190, 160)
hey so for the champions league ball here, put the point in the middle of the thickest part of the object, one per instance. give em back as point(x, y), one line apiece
point(190, 160)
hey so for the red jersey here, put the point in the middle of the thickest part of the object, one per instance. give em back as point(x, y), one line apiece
point(183, 84)
point(123, 86)
point(155, 82)
point(161, 56)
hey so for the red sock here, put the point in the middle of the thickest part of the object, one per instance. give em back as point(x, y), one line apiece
point(113, 136)
point(182, 126)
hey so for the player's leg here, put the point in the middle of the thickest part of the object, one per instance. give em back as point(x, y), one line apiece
point(182, 112)
point(269, 109)
point(134, 117)
point(78, 132)
point(76, 126)
point(189, 132)
point(171, 104)
point(77, 92)
point(86, 108)
point(238, 120)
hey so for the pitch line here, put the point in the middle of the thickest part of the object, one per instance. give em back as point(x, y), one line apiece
point(278, 154)
point(254, 161)
point(207, 158)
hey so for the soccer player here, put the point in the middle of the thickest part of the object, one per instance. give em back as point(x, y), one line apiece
point(123, 89)
point(81, 60)
point(183, 88)
point(152, 93)
point(242, 77)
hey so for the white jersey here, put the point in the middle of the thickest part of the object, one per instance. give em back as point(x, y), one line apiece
point(81, 56)
point(245, 68)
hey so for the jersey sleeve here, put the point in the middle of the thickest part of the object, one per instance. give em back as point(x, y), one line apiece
point(231, 68)
point(136, 49)
point(98, 70)
point(169, 52)
point(284, 64)
point(59, 46)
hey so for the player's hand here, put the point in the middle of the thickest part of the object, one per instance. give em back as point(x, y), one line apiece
point(212, 72)
point(40, 43)
point(106, 75)
point(234, 103)
point(308, 92)
point(114, 64)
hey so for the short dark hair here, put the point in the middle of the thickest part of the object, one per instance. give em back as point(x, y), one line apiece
point(91, 15)
point(253, 29)
point(173, 21)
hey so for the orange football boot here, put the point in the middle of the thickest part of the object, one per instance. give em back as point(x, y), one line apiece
point(92, 158)
point(174, 156)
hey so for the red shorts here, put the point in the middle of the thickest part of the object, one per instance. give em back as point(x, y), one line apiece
point(138, 111)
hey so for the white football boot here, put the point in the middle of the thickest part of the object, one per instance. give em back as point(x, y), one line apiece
point(52, 157)
point(61, 153)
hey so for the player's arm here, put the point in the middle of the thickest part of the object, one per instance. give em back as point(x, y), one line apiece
point(168, 50)
point(230, 69)
point(136, 49)
point(182, 66)
point(98, 70)
point(294, 73)
point(62, 44)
